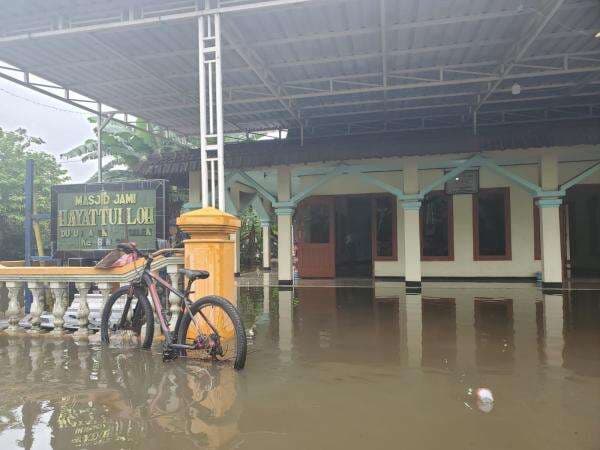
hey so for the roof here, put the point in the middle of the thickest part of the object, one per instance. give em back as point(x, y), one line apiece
point(263, 154)
point(334, 66)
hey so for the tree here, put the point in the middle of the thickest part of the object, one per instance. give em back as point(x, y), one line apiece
point(124, 147)
point(250, 239)
point(16, 147)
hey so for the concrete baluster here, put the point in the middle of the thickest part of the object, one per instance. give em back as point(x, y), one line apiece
point(37, 306)
point(174, 300)
point(105, 291)
point(59, 289)
point(14, 287)
point(83, 312)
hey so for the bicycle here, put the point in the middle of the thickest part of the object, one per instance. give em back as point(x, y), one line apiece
point(208, 328)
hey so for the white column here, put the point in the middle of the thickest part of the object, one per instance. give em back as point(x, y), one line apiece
point(266, 245)
point(284, 227)
point(551, 241)
point(412, 231)
point(211, 110)
point(550, 223)
point(554, 334)
point(412, 244)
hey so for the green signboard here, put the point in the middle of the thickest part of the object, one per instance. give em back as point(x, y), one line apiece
point(98, 217)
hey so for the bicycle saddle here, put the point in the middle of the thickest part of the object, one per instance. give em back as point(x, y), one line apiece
point(194, 274)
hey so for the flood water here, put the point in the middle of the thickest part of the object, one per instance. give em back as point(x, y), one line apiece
point(334, 368)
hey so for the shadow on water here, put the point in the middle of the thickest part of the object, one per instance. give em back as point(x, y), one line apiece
point(328, 367)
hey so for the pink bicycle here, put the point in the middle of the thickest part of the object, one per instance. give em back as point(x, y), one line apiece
point(208, 328)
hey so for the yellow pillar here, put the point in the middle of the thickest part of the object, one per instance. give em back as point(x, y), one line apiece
point(210, 248)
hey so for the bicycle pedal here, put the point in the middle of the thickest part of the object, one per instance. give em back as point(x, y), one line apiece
point(169, 353)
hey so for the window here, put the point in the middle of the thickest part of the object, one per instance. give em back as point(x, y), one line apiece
point(437, 240)
point(314, 223)
point(491, 225)
point(384, 228)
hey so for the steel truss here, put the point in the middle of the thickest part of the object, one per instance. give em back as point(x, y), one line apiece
point(93, 107)
point(450, 94)
point(211, 110)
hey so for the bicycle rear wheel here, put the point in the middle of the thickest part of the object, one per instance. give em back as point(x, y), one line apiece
point(216, 333)
point(127, 319)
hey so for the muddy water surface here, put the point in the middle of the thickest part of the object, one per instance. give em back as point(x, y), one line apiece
point(330, 368)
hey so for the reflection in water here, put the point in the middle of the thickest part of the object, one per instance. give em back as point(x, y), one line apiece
point(328, 368)
point(439, 333)
point(100, 398)
point(582, 333)
point(494, 334)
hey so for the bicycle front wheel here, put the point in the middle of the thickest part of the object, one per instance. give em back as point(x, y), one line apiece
point(216, 332)
point(127, 319)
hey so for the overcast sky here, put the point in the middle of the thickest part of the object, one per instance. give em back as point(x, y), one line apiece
point(60, 125)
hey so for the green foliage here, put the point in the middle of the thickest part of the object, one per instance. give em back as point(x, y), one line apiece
point(15, 149)
point(123, 149)
point(250, 239)
point(251, 234)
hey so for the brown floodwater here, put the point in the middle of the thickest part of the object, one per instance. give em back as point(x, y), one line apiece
point(330, 368)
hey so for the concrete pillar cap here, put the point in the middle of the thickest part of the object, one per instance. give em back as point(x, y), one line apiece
point(208, 221)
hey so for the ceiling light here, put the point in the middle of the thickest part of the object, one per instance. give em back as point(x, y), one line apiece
point(516, 89)
point(598, 34)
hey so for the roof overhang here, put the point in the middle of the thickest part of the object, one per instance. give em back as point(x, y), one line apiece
point(336, 67)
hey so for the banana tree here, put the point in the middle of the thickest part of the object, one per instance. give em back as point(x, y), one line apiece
point(124, 148)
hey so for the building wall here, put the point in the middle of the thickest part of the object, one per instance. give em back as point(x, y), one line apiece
point(522, 264)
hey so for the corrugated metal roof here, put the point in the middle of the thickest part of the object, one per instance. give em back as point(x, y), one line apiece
point(328, 57)
point(263, 154)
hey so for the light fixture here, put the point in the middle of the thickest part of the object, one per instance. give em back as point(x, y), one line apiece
point(515, 89)
point(598, 34)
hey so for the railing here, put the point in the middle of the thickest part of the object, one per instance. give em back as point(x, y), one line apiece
point(49, 285)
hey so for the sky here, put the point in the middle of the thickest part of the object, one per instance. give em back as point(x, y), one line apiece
point(60, 125)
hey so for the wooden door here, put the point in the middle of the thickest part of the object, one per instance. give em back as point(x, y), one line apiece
point(315, 238)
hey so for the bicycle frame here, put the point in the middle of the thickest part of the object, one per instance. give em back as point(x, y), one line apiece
point(151, 279)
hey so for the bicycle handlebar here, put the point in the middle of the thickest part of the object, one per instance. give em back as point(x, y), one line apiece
point(130, 247)
point(166, 251)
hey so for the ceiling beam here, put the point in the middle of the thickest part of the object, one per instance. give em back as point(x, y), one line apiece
point(417, 85)
point(520, 48)
point(149, 21)
point(260, 69)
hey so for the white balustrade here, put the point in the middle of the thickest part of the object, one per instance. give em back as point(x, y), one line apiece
point(46, 283)
point(14, 288)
